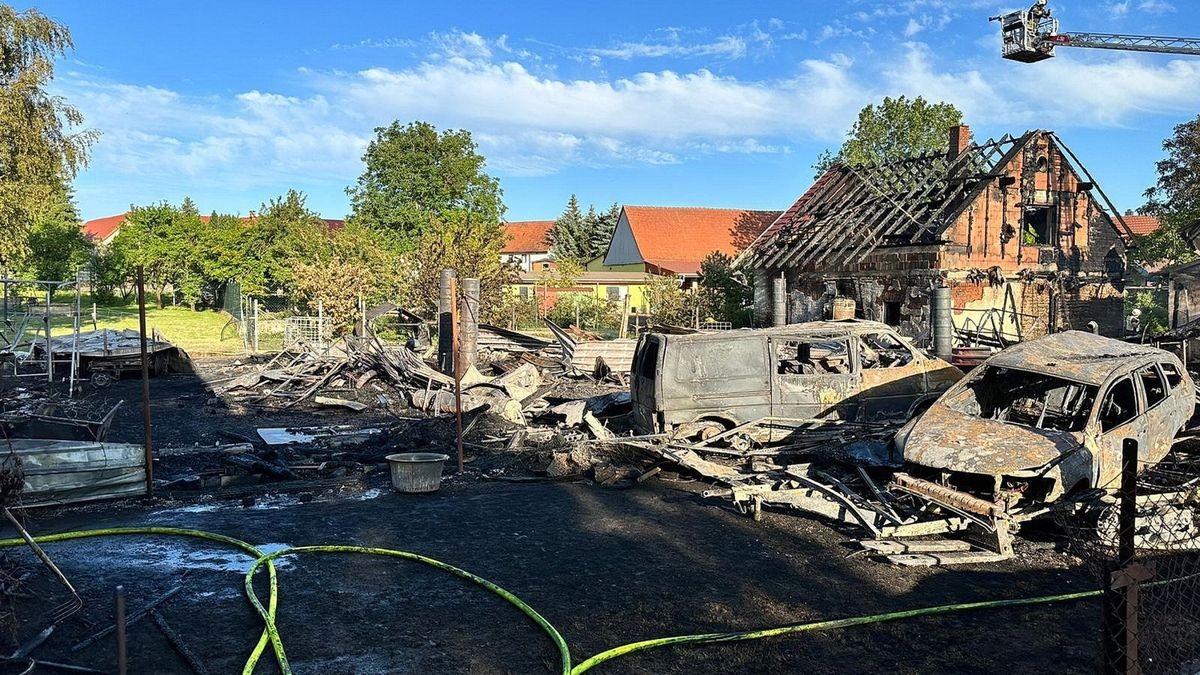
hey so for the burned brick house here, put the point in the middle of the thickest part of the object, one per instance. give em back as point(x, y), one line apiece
point(1015, 228)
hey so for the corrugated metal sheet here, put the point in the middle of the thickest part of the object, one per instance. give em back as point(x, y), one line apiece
point(62, 472)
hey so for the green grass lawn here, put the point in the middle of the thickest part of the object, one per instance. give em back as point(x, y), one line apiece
point(198, 333)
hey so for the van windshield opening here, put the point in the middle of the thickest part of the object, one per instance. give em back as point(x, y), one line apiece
point(1034, 400)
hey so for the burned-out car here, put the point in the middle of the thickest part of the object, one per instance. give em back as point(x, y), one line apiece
point(703, 384)
point(1044, 419)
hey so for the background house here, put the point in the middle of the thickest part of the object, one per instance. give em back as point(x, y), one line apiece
point(528, 244)
point(101, 231)
point(674, 240)
point(1015, 227)
point(611, 287)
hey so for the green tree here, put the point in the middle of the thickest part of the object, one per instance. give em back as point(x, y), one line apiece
point(344, 267)
point(149, 238)
point(1174, 199)
point(283, 233)
point(666, 301)
point(894, 129)
point(57, 247)
point(469, 246)
point(569, 237)
point(601, 228)
point(723, 293)
point(415, 175)
point(39, 153)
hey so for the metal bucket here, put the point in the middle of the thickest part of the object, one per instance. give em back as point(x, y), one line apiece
point(417, 471)
point(843, 308)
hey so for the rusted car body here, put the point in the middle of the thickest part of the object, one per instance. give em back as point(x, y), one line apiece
point(700, 384)
point(1044, 419)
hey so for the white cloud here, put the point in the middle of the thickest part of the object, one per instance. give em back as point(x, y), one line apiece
point(913, 27)
point(727, 46)
point(1156, 6)
point(1067, 91)
point(1118, 9)
point(530, 122)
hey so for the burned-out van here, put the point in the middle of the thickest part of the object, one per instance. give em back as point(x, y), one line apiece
point(701, 384)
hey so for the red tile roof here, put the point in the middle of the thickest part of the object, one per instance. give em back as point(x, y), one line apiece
point(528, 236)
point(676, 239)
point(1142, 225)
point(99, 229)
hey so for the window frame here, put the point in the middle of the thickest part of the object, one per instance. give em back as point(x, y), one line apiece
point(1145, 393)
point(1137, 400)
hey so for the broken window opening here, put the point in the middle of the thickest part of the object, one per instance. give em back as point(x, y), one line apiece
point(816, 357)
point(1027, 399)
point(613, 293)
point(1119, 405)
point(1152, 384)
point(891, 313)
point(1174, 379)
point(649, 359)
point(1037, 226)
point(883, 350)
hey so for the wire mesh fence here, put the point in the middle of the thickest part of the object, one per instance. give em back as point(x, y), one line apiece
point(1143, 546)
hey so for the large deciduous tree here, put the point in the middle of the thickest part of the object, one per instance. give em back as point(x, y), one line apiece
point(1174, 199)
point(415, 176)
point(57, 247)
point(39, 151)
point(894, 129)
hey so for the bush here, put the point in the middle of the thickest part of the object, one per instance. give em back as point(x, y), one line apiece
point(593, 313)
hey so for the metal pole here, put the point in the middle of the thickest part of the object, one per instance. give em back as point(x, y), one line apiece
point(146, 442)
point(46, 320)
point(1120, 617)
point(458, 371)
point(122, 661)
point(76, 325)
point(321, 325)
point(1127, 552)
point(255, 303)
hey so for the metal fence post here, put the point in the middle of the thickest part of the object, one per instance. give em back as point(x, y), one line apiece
point(146, 429)
point(1121, 598)
point(122, 659)
point(256, 329)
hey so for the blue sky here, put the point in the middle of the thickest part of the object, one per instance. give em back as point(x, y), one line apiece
point(683, 103)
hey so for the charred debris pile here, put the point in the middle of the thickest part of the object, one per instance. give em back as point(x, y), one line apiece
point(528, 412)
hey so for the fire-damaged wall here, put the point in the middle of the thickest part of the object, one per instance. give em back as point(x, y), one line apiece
point(1030, 252)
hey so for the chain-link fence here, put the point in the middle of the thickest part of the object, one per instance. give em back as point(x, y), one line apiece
point(1143, 545)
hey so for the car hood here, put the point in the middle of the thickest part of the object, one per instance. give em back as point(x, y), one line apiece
point(947, 439)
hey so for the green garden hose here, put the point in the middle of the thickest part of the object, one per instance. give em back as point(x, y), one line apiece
point(268, 617)
point(268, 632)
point(271, 634)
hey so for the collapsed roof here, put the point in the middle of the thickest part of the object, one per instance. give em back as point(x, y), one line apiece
point(852, 209)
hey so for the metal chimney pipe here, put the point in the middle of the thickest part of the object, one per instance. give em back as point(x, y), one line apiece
point(779, 302)
point(943, 322)
point(445, 347)
point(468, 323)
